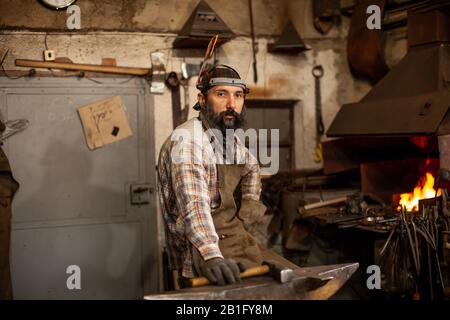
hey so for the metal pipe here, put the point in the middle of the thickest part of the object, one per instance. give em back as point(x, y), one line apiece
point(323, 203)
point(255, 72)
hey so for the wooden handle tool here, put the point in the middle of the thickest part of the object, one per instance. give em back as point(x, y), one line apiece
point(250, 272)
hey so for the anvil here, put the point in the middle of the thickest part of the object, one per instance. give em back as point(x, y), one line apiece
point(311, 283)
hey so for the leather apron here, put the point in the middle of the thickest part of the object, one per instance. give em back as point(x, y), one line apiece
point(235, 242)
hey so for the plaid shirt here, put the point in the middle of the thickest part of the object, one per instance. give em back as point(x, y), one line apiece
point(188, 192)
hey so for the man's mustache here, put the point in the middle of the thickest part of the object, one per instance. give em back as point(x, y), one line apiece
point(229, 112)
point(221, 122)
point(218, 120)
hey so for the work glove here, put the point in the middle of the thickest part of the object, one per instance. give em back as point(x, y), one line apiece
point(217, 270)
point(251, 212)
point(222, 271)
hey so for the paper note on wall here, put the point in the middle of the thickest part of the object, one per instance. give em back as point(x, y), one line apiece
point(104, 122)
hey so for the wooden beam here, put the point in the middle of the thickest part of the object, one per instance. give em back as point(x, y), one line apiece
point(83, 67)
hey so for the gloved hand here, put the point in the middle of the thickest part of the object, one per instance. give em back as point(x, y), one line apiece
point(251, 212)
point(221, 271)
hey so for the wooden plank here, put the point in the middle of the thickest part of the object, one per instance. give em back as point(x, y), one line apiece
point(82, 67)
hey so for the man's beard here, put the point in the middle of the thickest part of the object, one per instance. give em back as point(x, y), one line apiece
point(220, 122)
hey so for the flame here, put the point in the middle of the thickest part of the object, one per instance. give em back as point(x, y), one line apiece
point(423, 190)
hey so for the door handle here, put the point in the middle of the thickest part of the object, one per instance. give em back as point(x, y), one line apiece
point(140, 193)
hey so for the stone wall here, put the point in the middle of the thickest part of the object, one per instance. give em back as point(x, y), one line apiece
point(130, 30)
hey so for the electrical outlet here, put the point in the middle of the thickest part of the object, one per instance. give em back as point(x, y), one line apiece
point(49, 55)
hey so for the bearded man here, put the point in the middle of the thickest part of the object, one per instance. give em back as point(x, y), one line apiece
point(202, 167)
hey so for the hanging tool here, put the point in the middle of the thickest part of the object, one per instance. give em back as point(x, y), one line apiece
point(326, 14)
point(254, 47)
point(158, 77)
point(4, 57)
point(178, 115)
point(12, 127)
point(317, 72)
point(364, 46)
point(185, 112)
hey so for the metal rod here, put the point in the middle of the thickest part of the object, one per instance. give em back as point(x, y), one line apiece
point(324, 203)
point(416, 242)
point(255, 72)
point(387, 242)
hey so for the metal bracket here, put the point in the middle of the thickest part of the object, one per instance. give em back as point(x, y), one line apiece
point(140, 193)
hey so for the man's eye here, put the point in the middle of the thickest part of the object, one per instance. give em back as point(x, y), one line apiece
point(220, 94)
point(239, 95)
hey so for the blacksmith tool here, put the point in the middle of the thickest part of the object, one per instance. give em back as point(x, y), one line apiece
point(387, 241)
point(270, 268)
point(178, 115)
point(317, 72)
point(312, 283)
point(326, 14)
point(302, 210)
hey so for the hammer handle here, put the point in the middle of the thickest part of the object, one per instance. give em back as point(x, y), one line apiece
point(250, 272)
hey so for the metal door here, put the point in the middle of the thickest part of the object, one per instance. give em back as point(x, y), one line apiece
point(74, 206)
point(271, 117)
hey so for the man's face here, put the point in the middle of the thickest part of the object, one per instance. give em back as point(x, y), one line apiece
point(224, 106)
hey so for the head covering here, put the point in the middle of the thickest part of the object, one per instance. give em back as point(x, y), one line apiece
point(219, 75)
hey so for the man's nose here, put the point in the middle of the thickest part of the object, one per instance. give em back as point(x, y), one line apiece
point(231, 102)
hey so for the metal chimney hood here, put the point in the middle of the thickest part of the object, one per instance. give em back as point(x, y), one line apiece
point(200, 27)
point(414, 97)
point(290, 41)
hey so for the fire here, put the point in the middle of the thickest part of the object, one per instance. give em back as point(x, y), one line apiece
point(423, 190)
